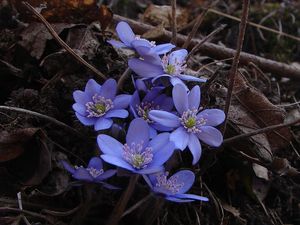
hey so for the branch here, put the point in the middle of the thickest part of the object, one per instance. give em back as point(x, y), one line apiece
point(174, 22)
point(236, 60)
point(219, 52)
point(62, 43)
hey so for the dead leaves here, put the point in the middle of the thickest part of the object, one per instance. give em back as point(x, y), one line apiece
point(66, 11)
point(25, 156)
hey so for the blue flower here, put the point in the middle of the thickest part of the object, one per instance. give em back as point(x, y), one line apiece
point(175, 187)
point(190, 125)
point(153, 99)
point(97, 104)
point(138, 154)
point(171, 66)
point(132, 41)
point(94, 172)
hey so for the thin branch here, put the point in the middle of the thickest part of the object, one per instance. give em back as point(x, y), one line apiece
point(235, 63)
point(62, 43)
point(196, 26)
point(33, 214)
point(122, 78)
point(259, 26)
point(219, 52)
point(174, 22)
point(48, 118)
point(205, 39)
point(118, 211)
point(260, 131)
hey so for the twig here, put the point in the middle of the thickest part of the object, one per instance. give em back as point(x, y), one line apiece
point(118, 211)
point(37, 215)
point(205, 39)
point(218, 52)
point(196, 26)
point(48, 118)
point(263, 130)
point(235, 63)
point(255, 25)
point(174, 22)
point(62, 43)
point(122, 78)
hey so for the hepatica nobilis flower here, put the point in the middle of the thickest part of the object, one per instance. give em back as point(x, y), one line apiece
point(190, 125)
point(153, 99)
point(130, 40)
point(138, 154)
point(97, 104)
point(175, 187)
point(93, 173)
point(171, 66)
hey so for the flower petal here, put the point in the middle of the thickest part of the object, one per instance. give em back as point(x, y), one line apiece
point(185, 177)
point(125, 33)
point(161, 156)
point(152, 94)
point(195, 148)
point(107, 174)
point(180, 98)
point(178, 56)
point(117, 113)
point(95, 163)
point(82, 174)
point(68, 167)
point(116, 44)
point(165, 103)
point(158, 142)
point(79, 108)
point(173, 198)
point(121, 101)
point(163, 48)
point(92, 87)
point(138, 132)
point(81, 97)
point(180, 138)
point(86, 120)
point(150, 170)
point(109, 145)
point(145, 69)
point(103, 124)
point(109, 89)
point(210, 136)
point(114, 160)
point(194, 97)
point(213, 117)
point(191, 78)
point(191, 197)
point(174, 80)
point(134, 103)
point(164, 118)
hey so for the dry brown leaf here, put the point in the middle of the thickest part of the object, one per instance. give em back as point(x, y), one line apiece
point(66, 11)
point(161, 15)
point(262, 111)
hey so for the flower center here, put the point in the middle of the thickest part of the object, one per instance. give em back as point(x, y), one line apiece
point(152, 43)
point(176, 68)
point(144, 108)
point(137, 156)
point(190, 121)
point(170, 184)
point(99, 106)
point(94, 172)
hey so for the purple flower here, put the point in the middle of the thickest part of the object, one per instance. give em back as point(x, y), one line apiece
point(191, 125)
point(138, 154)
point(132, 41)
point(97, 104)
point(171, 66)
point(93, 173)
point(153, 99)
point(175, 187)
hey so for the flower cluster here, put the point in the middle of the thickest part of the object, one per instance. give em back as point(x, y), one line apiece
point(156, 121)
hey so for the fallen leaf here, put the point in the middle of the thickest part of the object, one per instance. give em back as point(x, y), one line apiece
point(260, 171)
point(161, 15)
